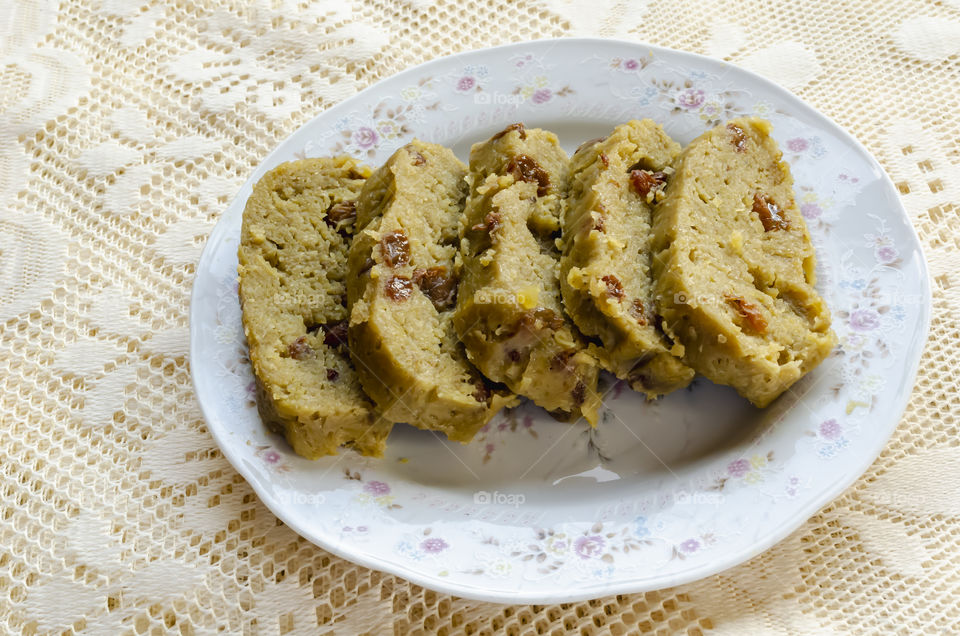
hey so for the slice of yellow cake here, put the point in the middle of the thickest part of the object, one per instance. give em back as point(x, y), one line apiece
point(402, 291)
point(509, 312)
point(297, 226)
point(605, 274)
point(735, 266)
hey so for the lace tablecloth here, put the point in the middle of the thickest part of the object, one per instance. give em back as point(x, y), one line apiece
point(125, 127)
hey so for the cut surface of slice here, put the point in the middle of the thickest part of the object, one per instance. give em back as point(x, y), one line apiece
point(509, 311)
point(735, 264)
point(402, 292)
point(292, 271)
point(605, 272)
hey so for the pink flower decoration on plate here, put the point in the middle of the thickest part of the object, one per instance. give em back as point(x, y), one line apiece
point(542, 96)
point(811, 210)
point(830, 429)
point(377, 488)
point(466, 83)
point(433, 545)
point(691, 98)
point(365, 137)
point(864, 320)
point(739, 468)
point(588, 547)
point(887, 254)
point(690, 545)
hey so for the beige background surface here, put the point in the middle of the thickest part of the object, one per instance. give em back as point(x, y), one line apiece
point(125, 127)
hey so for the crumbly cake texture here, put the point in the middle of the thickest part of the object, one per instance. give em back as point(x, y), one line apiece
point(293, 264)
point(605, 274)
point(402, 292)
point(509, 313)
point(735, 265)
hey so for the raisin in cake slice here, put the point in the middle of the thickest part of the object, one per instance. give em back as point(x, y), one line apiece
point(293, 265)
point(509, 312)
point(735, 265)
point(402, 291)
point(605, 275)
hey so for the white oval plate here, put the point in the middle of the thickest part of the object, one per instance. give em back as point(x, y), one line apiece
point(659, 494)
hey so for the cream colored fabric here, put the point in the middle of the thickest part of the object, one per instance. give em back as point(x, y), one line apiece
point(125, 126)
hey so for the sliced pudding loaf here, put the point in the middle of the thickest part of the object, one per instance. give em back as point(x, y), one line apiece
point(605, 275)
point(735, 265)
point(402, 292)
point(509, 313)
point(293, 265)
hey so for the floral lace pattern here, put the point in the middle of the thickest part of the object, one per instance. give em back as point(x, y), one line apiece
point(128, 128)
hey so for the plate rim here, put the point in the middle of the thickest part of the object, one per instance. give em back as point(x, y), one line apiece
point(627, 585)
